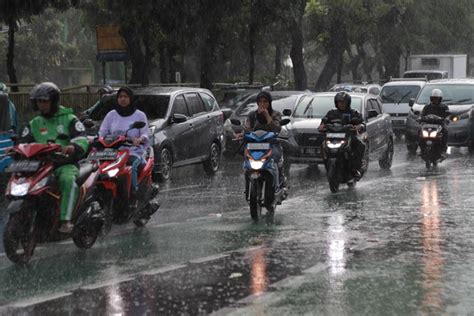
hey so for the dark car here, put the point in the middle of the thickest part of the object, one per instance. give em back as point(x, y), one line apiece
point(186, 125)
point(458, 94)
point(301, 140)
point(281, 100)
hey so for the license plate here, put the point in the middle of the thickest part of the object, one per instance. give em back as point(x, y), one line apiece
point(336, 135)
point(103, 155)
point(258, 146)
point(310, 151)
point(23, 166)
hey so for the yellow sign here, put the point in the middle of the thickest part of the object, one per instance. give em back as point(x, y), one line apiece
point(109, 39)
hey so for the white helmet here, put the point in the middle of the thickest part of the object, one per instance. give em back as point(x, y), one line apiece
point(436, 93)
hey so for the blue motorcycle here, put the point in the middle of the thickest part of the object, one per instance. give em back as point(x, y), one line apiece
point(6, 142)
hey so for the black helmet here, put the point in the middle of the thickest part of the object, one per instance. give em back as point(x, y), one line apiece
point(343, 96)
point(105, 90)
point(45, 91)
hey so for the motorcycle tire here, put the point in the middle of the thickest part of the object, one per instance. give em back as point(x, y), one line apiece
point(255, 207)
point(18, 241)
point(86, 231)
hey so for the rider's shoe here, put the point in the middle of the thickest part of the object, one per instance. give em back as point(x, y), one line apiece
point(66, 227)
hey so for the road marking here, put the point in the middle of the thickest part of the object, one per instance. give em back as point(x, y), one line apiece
point(182, 188)
point(99, 285)
point(210, 258)
point(38, 300)
point(164, 270)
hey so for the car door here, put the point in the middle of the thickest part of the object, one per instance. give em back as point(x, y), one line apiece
point(180, 134)
point(199, 120)
point(215, 128)
point(376, 134)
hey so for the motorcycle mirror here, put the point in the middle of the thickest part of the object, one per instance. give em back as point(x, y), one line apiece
point(286, 112)
point(284, 122)
point(138, 125)
point(235, 122)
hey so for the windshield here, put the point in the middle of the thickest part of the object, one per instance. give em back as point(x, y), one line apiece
point(319, 106)
point(154, 106)
point(245, 109)
point(398, 94)
point(452, 93)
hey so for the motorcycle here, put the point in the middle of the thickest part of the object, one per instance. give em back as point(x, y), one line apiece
point(430, 139)
point(337, 154)
point(34, 200)
point(263, 187)
point(114, 184)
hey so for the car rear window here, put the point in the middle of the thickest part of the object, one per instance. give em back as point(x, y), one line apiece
point(154, 106)
point(319, 106)
point(399, 94)
point(452, 93)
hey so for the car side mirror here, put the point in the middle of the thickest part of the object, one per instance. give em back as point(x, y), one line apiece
point(284, 122)
point(372, 114)
point(411, 102)
point(227, 113)
point(235, 122)
point(88, 123)
point(286, 112)
point(178, 118)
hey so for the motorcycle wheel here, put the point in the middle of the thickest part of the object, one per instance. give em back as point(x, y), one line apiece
point(351, 184)
point(332, 177)
point(428, 164)
point(141, 222)
point(18, 242)
point(255, 207)
point(86, 232)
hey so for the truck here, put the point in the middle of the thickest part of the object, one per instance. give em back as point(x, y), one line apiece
point(436, 66)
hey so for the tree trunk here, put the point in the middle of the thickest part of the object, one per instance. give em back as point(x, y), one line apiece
point(252, 34)
point(296, 54)
point(11, 54)
point(278, 53)
point(172, 63)
point(164, 69)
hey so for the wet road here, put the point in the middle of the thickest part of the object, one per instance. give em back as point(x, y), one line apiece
point(400, 243)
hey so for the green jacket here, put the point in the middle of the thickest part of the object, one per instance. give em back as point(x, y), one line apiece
point(42, 129)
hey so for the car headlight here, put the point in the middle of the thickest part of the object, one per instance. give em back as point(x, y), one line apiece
point(40, 184)
point(464, 116)
point(284, 133)
point(256, 164)
point(19, 189)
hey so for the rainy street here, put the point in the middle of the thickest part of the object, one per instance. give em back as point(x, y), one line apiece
point(400, 243)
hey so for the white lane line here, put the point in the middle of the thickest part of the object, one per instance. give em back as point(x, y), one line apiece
point(210, 258)
point(181, 188)
point(164, 270)
point(99, 285)
point(38, 300)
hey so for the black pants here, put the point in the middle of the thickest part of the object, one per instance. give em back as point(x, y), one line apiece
point(358, 150)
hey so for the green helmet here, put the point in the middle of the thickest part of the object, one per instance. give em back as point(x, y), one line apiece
point(3, 87)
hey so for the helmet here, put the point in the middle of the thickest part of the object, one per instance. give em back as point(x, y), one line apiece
point(436, 95)
point(343, 96)
point(3, 87)
point(45, 91)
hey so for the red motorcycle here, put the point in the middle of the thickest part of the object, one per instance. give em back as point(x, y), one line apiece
point(115, 181)
point(34, 200)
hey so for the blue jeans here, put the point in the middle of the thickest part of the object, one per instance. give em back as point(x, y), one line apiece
point(135, 162)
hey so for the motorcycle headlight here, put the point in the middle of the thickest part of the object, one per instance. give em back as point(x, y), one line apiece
point(40, 184)
point(334, 145)
point(426, 134)
point(433, 134)
point(19, 189)
point(112, 173)
point(256, 164)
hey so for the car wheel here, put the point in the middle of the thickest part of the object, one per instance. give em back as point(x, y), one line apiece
point(386, 161)
point(212, 164)
point(165, 165)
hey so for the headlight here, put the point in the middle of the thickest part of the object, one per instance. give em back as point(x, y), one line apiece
point(433, 134)
point(464, 116)
point(426, 134)
point(40, 184)
point(112, 173)
point(19, 189)
point(256, 164)
point(334, 145)
point(284, 133)
point(115, 163)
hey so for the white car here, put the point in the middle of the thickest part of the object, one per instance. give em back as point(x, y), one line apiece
point(395, 96)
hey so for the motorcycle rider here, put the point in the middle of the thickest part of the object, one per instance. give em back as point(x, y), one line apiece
point(55, 120)
point(440, 109)
point(267, 119)
point(347, 115)
point(117, 121)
